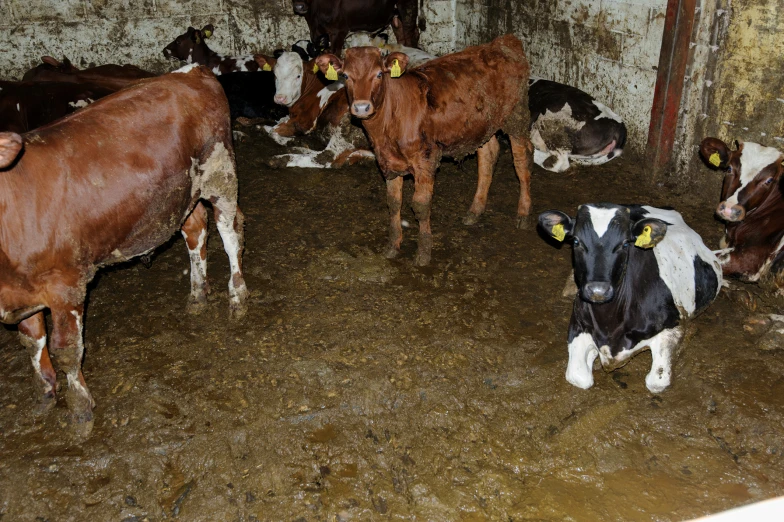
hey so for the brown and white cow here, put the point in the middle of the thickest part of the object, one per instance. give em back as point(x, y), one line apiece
point(752, 205)
point(99, 187)
point(109, 76)
point(191, 47)
point(316, 106)
point(450, 106)
point(25, 106)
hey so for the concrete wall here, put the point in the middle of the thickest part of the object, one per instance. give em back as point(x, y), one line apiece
point(609, 48)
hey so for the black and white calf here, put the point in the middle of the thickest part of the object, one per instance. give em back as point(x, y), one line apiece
point(639, 271)
point(569, 126)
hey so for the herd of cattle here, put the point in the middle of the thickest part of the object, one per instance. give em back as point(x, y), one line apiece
point(89, 142)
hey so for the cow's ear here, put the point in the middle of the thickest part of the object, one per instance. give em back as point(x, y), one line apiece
point(267, 63)
point(330, 65)
point(715, 152)
point(10, 145)
point(395, 64)
point(649, 232)
point(207, 30)
point(196, 36)
point(556, 224)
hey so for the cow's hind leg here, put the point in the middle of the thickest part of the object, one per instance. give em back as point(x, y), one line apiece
point(487, 155)
point(422, 200)
point(521, 152)
point(662, 347)
point(194, 230)
point(231, 223)
point(394, 202)
point(32, 335)
point(68, 348)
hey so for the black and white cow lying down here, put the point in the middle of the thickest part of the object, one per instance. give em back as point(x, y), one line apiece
point(569, 126)
point(639, 271)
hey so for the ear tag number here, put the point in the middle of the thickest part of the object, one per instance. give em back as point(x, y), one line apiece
point(644, 239)
point(558, 232)
point(395, 72)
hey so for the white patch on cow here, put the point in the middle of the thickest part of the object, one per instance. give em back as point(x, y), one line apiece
point(753, 159)
point(80, 104)
point(321, 159)
point(38, 346)
point(189, 58)
point(326, 93)
point(216, 70)
point(600, 218)
point(198, 265)
point(769, 261)
point(17, 108)
point(582, 354)
point(273, 132)
point(606, 112)
point(675, 257)
point(186, 68)
point(289, 70)
point(560, 164)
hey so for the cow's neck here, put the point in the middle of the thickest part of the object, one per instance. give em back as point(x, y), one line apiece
point(762, 226)
point(395, 97)
point(311, 82)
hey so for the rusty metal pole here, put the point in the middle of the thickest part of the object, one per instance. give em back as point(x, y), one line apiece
point(673, 62)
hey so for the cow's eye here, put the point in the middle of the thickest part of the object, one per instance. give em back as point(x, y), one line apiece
point(379, 75)
point(299, 76)
point(576, 242)
point(626, 244)
point(344, 76)
point(769, 181)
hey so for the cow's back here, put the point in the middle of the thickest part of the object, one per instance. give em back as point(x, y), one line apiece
point(467, 96)
point(111, 181)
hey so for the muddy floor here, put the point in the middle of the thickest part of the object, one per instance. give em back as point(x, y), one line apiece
point(359, 388)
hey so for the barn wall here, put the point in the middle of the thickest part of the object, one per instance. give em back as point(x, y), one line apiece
point(609, 48)
point(135, 31)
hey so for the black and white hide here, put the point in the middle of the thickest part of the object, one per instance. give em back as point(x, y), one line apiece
point(639, 271)
point(569, 126)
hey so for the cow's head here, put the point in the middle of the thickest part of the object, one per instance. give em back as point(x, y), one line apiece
point(301, 6)
point(753, 174)
point(289, 71)
point(601, 236)
point(10, 146)
point(365, 72)
point(185, 46)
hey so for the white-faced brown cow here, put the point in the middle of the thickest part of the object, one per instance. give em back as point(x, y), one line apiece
point(752, 205)
point(449, 106)
point(108, 183)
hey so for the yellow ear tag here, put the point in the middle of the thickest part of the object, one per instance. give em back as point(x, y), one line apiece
point(644, 239)
point(198, 40)
point(207, 33)
point(715, 159)
point(315, 68)
point(558, 232)
point(332, 74)
point(395, 72)
point(266, 67)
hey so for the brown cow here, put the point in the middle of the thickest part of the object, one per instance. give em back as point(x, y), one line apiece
point(752, 205)
point(101, 186)
point(191, 47)
point(450, 106)
point(109, 76)
point(25, 106)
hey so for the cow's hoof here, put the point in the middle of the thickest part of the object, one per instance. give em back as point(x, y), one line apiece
point(45, 403)
point(196, 306)
point(422, 259)
point(82, 429)
point(238, 310)
point(524, 222)
point(391, 252)
point(656, 387)
point(471, 219)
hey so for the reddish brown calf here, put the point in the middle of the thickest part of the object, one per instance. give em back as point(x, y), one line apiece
point(450, 106)
point(109, 76)
point(103, 185)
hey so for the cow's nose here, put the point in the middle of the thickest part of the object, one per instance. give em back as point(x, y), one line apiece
point(280, 99)
point(598, 292)
point(731, 212)
point(361, 109)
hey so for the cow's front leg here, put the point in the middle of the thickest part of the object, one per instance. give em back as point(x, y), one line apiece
point(68, 348)
point(662, 347)
point(194, 230)
point(394, 202)
point(522, 149)
point(32, 335)
point(423, 195)
point(582, 354)
point(487, 155)
point(231, 225)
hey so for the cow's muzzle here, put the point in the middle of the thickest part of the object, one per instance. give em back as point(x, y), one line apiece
point(362, 109)
point(730, 212)
point(598, 292)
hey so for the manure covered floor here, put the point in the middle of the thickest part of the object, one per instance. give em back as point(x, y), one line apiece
point(359, 388)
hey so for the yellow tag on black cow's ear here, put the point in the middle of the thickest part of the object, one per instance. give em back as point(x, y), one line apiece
point(266, 67)
point(715, 159)
point(644, 239)
point(332, 74)
point(315, 68)
point(558, 232)
point(198, 39)
point(395, 72)
point(207, 33)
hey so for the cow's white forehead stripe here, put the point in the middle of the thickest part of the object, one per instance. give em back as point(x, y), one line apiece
point(754, 158)
point(600, 218)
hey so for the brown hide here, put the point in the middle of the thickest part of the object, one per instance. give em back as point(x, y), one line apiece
point(109, 76)
point(191, 46)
